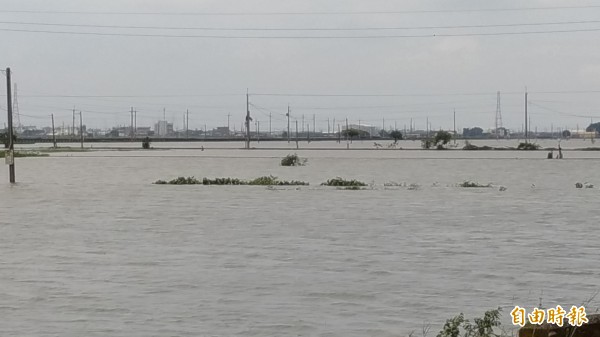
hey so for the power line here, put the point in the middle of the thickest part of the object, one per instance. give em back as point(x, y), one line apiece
point(481, 10)
point(322, 37)
point(299, 29)
point(128, 96)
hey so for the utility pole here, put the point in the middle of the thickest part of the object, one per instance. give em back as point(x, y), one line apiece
point(228, 132)
point(383, 126)
point(303, 123)
point(454, 126)
point(328, 127)
point(296, 135)
point(427, 121)
point(314, 125)
point(498, 116)
point(347, 134)
point(258, 131)
point(288, 118)
point(81, 127)
point(53, 133)
point(248, 119)
point(205, 132)
point(73, 129)
point(187, 123)
point(11, 145)
point(526, 126)
point(134, 123)
point(270, 133)
point(131, 128)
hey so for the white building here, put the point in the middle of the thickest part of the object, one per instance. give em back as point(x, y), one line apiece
point(163, 128)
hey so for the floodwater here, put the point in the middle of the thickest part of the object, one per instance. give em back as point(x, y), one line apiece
point(90, 247)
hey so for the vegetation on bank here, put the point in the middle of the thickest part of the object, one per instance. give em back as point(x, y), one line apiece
point(340, 182)
point(487, 326)
point(260, 181)
point(23, 154)
point(293, 160)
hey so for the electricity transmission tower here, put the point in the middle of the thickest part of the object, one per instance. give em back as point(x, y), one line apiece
point(498, 116)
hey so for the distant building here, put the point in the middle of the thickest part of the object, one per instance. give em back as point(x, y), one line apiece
point(371, 130)
point(142, 131)
point(221, 131)
point(163, 129)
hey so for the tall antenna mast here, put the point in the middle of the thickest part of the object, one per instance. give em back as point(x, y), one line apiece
point(498, 116)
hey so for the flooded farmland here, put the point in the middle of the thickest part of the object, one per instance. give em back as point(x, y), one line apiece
point(89, 246)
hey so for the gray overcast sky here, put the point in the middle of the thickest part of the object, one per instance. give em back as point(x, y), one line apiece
point(431, 75)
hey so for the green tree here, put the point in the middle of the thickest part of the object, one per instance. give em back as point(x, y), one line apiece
point(4, 139)
point(396, 135)
point(442, 138)
point(481, 327)
point(350, 133)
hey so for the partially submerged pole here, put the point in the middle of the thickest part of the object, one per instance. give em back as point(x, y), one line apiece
point(53, 132)
point(11, 146)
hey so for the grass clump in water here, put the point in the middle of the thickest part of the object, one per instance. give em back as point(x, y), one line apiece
point(470, 147)
point(343, 182)
point(472, 184)
point(528, 146)
point(261, 181)
point(293, 160)
point(271, 180)
point(223, 181)
point(180, 181)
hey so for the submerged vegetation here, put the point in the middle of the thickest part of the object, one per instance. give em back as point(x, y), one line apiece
point(260, 181)
point(23, 154)
point(468, 183)
point(180, 181)
point(293, 160)
point(470, 147)
point(528, 146)
point(343, 182)
point(351, 188)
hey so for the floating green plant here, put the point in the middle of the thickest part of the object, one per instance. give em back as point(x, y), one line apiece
point(293, 160)
point(472, 184)
point(343, 182)
point(261, 181)
point(528, 146)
